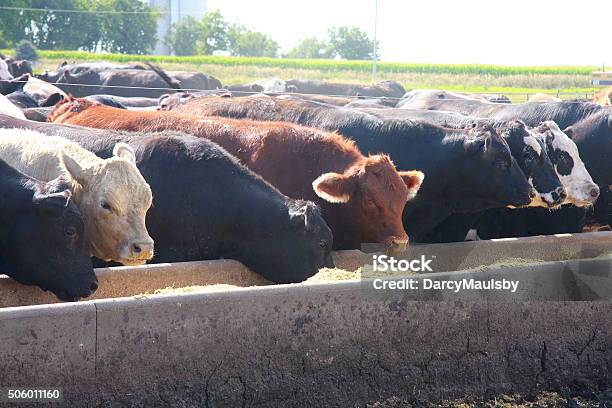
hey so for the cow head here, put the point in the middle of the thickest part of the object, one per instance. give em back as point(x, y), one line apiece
point(563, 152)
point(49, 246)
point(168, 102)
point(13, 85)
point(49, 76)
point(530, 154)
point(270, 85)
point(375, 194)
point(20, 67)
point(68, 107)
point(4, 71)
point(85, 77)
point(485, 173)
point(114, 198)
point(303, 238)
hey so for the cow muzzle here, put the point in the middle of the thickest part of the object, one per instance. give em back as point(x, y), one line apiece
point(584, 196)
point(138, 252)
point(554, 198)
point(396, 245)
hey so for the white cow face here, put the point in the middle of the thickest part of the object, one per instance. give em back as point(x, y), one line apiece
point(273, 85)
point(4, 71)
point(563, 152)
point(114, 199)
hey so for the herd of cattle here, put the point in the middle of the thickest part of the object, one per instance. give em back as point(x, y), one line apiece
point(98, 159)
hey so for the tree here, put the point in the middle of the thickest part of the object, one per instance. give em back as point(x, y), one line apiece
point(132, 32)
point(246, 43)
point(25, 50)
point(215, 33)
point(350, 43)
point(3, 41)
point(44, 27)
point(184, 36)
point(310, 47)
point(48, 28)
point(190, 36)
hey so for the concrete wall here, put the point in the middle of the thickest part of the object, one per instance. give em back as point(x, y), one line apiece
point(131, 281)
point(307, 345)
point(329, 345)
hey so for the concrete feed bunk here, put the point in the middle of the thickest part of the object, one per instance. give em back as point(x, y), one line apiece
point(329, 344)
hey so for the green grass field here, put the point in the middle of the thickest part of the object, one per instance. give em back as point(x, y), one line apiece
point(515, 81)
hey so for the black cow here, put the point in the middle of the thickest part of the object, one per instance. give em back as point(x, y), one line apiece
point(18, 67)
point(208, 206)
point(97, 66)
point(528, 150)
point(22, 100)
point(13, 85)
point(108, 100)
point(465, 170)
point(564, 113)
point(26, 101)
point(468, 171)
point(37, 114)
point(129, 82)
point(43, 241)
point(125, 102)
point(383, 88)
point(170, 101)
point(245, 90)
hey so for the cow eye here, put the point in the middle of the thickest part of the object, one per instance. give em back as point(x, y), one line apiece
point(70, 232)
point(106, 206)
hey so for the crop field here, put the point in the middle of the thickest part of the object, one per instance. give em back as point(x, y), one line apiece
point(517, 82)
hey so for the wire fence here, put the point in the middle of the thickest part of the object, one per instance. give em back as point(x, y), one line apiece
point(513, 96)
point(112, 12)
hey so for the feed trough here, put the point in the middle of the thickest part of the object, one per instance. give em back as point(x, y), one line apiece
point(325, 343)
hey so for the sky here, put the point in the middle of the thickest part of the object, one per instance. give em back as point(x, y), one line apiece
point(510, 32)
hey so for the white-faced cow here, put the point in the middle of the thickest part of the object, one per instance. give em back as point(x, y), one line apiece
point(112, 194)
point(563, 152)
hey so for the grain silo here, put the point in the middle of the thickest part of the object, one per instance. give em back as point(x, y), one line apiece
point(172, 12)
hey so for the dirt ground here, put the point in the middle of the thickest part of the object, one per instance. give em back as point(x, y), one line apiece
point(583, 399)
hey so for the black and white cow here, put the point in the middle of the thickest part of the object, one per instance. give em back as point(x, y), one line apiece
point(526, 148)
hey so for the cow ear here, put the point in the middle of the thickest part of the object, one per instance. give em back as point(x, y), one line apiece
point(413, 180)
point(333, 187)
point(54, 203)
point(124, 151)
point(52, 100)
point(74, 168)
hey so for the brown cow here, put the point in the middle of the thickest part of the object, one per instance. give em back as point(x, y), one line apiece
point(362, 198)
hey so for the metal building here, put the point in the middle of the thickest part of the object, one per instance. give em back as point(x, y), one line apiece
point(172, 12)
